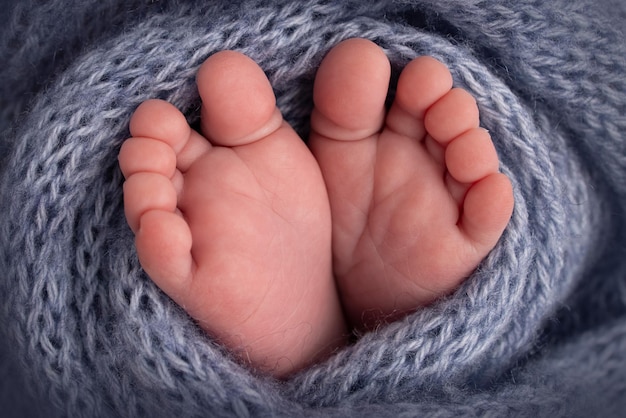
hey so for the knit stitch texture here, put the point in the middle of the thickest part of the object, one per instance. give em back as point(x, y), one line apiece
point(538, 330)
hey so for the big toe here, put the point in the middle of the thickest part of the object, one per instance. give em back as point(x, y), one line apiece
point(350, 91)
point(238, 103)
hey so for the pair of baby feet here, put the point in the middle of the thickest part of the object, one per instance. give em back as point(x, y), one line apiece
point(278, 250)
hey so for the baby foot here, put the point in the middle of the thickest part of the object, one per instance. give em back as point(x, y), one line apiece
point(235, 225)
point(416, 198)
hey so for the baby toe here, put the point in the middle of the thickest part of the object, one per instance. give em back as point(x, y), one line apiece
point(487, 208)
point(163, 244)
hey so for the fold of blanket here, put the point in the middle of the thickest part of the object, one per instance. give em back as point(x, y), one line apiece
point(540, 327)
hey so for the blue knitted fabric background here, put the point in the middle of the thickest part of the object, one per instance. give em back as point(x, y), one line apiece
point(538, 330)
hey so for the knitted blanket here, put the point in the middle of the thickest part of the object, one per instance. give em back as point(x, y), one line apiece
point(539, 329)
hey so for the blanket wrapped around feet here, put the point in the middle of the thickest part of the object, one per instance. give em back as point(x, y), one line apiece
point(538, 330)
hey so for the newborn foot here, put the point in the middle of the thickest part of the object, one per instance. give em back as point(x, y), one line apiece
point(416, 198)
point(235, 225)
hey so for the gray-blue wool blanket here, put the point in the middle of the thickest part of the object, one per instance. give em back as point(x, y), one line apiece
point(538, 330)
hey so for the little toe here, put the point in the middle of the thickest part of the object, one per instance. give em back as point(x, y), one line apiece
point(487, 209)
point(238, 103)
point(163, 241)
point(350, 90)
